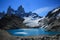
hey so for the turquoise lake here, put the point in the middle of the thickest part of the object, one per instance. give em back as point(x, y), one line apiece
point(31, 32)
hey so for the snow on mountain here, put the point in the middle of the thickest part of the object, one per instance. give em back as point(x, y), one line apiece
point(31, 22)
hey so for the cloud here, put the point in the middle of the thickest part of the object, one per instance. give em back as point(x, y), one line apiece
point(40, 10)
point(43, 11)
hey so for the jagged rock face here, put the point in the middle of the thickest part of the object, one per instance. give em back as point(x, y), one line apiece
point(53, 13)
point(21, 9)
point(21, 12)
point(10, 11)
point(2, 14)
point(11, 22)
point(14, 18)
point(53, 19)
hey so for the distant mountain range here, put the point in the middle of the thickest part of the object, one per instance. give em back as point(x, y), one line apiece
point(16, 19)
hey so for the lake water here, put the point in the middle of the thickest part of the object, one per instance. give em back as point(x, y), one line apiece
point(31, 32)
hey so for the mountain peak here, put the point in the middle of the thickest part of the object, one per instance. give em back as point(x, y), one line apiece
point(10, 10)
point(21, 9)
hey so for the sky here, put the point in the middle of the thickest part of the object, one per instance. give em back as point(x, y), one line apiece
point(41, 7)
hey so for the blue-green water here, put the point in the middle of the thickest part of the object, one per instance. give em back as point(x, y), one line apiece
point(31, 32)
